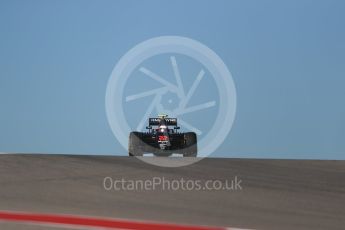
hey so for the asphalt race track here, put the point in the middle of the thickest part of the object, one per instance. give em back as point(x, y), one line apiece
point(275, 194)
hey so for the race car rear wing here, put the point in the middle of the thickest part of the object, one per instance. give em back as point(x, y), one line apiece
point(168, 121)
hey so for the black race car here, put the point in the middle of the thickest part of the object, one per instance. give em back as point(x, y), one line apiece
point(162, 139)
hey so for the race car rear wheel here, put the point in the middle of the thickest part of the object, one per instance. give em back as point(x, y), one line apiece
point(134, 144)
point(190, 149)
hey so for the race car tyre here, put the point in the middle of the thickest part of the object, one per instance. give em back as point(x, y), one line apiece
point(190, 148)
point(134, 144)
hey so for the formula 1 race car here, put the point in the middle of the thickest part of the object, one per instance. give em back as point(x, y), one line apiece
point(162, 140)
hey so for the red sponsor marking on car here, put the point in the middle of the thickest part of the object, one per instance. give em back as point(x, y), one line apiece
point(162, 138)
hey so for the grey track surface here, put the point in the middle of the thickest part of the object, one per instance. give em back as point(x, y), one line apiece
point(276, 194)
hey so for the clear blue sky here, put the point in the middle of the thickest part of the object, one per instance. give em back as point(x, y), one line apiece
point(287, 59)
